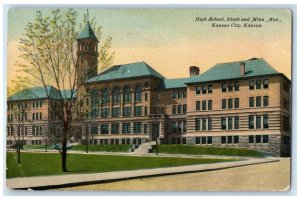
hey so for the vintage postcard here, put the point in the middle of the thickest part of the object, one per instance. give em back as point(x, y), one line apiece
point(148, 99)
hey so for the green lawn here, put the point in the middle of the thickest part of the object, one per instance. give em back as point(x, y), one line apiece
point(200, 150)
point(39, 164)
point(106, 148)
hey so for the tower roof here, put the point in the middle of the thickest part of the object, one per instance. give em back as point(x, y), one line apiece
point(87, 32)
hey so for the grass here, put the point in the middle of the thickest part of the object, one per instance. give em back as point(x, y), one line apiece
point(49, 147)
point(106, 148)
point(39, 164)
point(200, 150)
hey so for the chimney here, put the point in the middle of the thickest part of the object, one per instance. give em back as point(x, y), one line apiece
point(242, 68)
point(194, 71)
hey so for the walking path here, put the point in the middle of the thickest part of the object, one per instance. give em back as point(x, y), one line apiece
point(50, 182)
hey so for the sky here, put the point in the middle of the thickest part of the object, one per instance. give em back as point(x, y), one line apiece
point(170, 40)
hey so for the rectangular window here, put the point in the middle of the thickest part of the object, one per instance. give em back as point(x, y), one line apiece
point(286, 87)
point(146, 110)
point(198, 90)
point(236, 122)
point(229, 123)
point(180, 127)
point(223, 103)
point(198, 124)
point(251, 139)
point(184, 108)
point(180, 94)
point(258, 139)
point(223, 123)
point(104, 112)
point(203, 140)
point(203, 105)
point(236, 139)
point(179, 109)
point(197, 140)
point(266, 121)
point(251, 102)
point(209, 124)
point(258, 101)
point(266, 100)
point(265, 139)
point(126, 128)
point(203, 89)
point(251, 122)
point(174, 109)
point(115, 128)
point(146, 96)
point(251, 85)
point(137, 110)
point(204, 124)
point(266, 83)
point(174, 95)
point(115, 112)
point(137, 127)
point(285, 103)
point(209, 140)
point(286, 123)
point(230, 102)
point(184, 94)
point(209, 104)
point(236, 103)
point(258, 84)
point(174, 125)
point(229, 139)
point(198, 105)
point(127, 111)
point(223, 139)
point(224, 87)
point(230, 87)
point(210, 88)
point(104, 129)
point(258, 122)
point(184, 126)
point(236, 86)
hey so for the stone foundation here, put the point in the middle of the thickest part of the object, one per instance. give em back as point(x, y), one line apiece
point(274, 147)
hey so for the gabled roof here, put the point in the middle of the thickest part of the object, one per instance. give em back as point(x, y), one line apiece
point(87, 32)
point(41, 93)
point(174, 83)
point(231, 70)
point(126, 71)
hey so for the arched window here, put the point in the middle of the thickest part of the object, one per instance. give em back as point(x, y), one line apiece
point(137, 93)
point(126, 94)
point(116, 95)
point(105, 96)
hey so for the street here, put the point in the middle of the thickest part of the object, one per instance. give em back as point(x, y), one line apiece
point(261, 177)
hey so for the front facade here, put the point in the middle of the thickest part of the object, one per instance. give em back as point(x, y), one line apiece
point(244, 104)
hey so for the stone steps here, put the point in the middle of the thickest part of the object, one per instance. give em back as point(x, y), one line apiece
point(144, 148)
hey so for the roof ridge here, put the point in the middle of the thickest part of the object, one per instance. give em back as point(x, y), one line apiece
point(250, 59)
point(177, 78)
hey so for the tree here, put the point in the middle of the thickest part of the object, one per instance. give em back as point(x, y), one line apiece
point(17, 114)
point(48, 53)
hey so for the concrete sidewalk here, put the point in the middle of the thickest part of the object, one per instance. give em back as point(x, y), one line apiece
point(50, 182)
